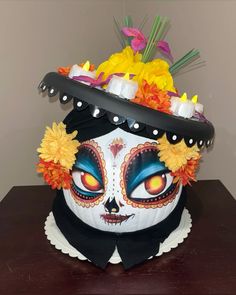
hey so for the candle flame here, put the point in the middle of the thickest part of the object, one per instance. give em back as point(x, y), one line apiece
point(195, 99)
point(86, 66)
point(184, 97)
point(126, 76)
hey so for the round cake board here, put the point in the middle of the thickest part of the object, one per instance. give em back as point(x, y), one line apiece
point(58, 240)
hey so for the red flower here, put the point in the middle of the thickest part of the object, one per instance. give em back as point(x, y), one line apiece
point(153, 97)
point(186, 173)
point(54, 174)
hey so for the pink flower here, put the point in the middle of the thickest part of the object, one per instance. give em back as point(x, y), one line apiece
point(139, 41)
point(164, 47)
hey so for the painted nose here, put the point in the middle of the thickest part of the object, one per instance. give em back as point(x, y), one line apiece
point(111, 206)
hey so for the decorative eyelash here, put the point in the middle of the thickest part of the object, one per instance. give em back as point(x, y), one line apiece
point(83, 196)
point(168, 193)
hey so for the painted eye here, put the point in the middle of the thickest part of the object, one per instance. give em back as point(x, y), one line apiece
point(90, 182)
point(155, 184)
point(86, 182)
point(154, 189)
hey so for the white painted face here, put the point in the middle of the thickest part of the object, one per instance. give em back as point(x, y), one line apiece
point(119, 184)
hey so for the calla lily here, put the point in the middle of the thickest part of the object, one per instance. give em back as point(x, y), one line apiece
point(139, 41)
point(165, 49)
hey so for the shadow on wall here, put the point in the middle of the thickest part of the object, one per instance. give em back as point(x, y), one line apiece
point(223, 167)
point(55, 99)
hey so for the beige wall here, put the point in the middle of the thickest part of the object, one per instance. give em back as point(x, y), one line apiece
point(37, 36)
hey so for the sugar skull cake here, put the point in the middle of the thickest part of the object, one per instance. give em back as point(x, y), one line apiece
point(121, 158)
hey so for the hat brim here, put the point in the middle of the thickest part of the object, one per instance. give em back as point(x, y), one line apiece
point(119, 110)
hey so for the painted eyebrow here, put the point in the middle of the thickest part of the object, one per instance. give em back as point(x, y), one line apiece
point(86, 161)
point(146, 168)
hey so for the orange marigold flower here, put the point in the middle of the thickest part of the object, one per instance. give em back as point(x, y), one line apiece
point(187, 172)
point(153, 97)
point(64, 70)
point(54, 174)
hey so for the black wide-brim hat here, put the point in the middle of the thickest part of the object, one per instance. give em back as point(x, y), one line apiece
point(119, 111)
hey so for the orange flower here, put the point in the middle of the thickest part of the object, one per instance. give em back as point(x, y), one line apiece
point(54, 174)
point(186, 173)
point(64, 70)
point(153, 97)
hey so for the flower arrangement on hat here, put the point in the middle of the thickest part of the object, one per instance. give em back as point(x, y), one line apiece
point(131, 74)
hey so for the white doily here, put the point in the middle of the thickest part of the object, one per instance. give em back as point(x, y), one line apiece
point(56, 238)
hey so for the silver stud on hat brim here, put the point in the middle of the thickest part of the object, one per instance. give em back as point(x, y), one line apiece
point(174, 137)
point(96, 112)
point(155, 132)
point(115, 119)
point(65, 98)
point(209, 142)
point(52, 92)
point(79, 104)
point(44, 88)
point(40, 85)
point(136, 125)
point(189, 141)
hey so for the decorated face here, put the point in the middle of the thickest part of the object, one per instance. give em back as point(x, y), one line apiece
point(120, 185)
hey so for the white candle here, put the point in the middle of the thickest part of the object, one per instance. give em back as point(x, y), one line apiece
point(76, 71)
point(122, 86)
point(175, 103)
point(182, 107)
point(186, 109)
point(115, 85)
point(198, 106)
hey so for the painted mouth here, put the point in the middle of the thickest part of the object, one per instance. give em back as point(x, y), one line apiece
point(115, 219)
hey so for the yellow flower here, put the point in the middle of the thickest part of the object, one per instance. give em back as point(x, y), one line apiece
point(126, 61)
point(176, 155)
point(122, 62)
point(157, 71)
point(58, 146)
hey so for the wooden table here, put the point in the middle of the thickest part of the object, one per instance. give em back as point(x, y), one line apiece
point(204, 264)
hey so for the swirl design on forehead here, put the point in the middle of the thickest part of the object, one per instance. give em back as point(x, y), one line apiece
point(145, 180)
point(89, 175)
